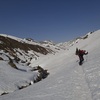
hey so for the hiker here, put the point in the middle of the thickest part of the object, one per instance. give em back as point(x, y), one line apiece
point(81, 53)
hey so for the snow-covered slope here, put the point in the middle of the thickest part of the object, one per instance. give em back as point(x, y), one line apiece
point(67, 80)
point(16, 71)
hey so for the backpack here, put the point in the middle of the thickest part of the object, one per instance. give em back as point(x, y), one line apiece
point(77, 51)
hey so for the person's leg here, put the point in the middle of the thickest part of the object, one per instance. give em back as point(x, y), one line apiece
point(81, 59)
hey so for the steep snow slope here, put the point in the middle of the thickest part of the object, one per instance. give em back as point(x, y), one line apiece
point(67, 80)
point(15, 57)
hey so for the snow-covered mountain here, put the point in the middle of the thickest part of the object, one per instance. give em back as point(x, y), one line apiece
point(66, 80)
point(23, 50)
point(16, 54)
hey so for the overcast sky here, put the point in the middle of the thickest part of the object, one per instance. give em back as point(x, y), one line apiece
point(56, 20)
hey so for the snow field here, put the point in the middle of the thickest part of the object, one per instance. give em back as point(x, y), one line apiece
point(67, 80)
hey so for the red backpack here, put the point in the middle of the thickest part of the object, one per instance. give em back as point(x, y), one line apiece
point(82, 51)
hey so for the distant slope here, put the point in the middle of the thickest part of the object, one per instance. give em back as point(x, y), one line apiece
point(15, 59)
point(20, 50)
point(9, 43)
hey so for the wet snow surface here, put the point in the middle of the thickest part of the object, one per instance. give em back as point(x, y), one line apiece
point(67, 80)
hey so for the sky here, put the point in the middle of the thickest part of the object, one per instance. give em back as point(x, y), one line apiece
point(56, 20)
